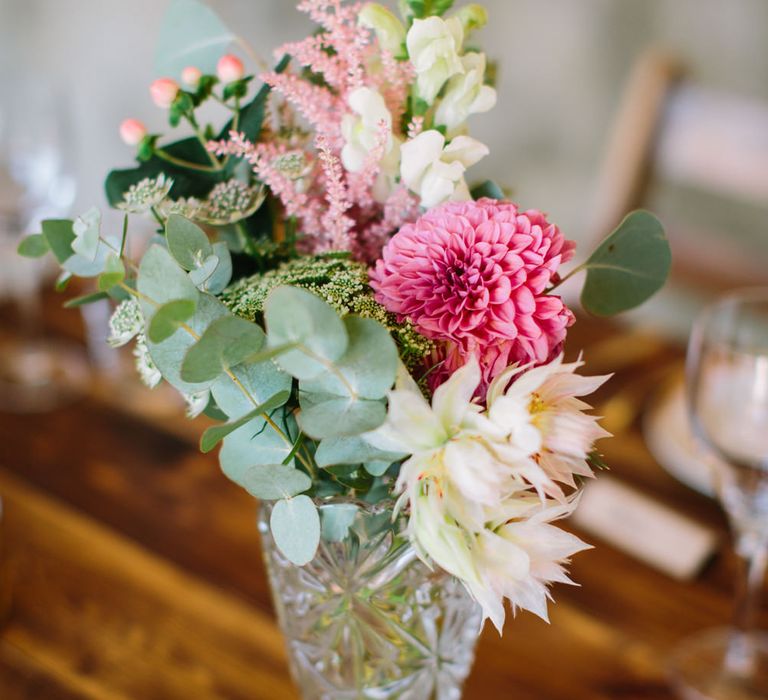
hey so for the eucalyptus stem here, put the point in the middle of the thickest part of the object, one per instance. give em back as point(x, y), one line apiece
point(564, 279)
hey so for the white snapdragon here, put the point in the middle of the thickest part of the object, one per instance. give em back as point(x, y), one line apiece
point(465, 94)
point(435, 171)
point(477, 491)
point(389, 30)
point(434, 45)
point(362, 129)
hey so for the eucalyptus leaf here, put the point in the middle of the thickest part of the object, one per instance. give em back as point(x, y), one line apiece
point(336, 519)
point(192, 34)
point(222, 274)
point(187, 242)
point(260, 379)
point(255, 443)
point(368, 367)
point(168, 318)
point(628, 267)
point(295, 526)
point(377, 467)
point(352, 450)
point(225, 343)
point(33, 246)
point(59, 235)
point(487, 189)
point(162, 280)
point(114, 272)
point(324, 415)
point(85, 299)
point(212, 436)
point(87, 229)
point(296, 316)
point(203, 272)
point(272, 481)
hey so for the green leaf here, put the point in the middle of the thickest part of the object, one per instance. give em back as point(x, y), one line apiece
point(114, 273)
point(85, 299)
point(162, 280)
point(336, 519)
point(63, 280)
point(256, 443)
point(169, 317)
point(218, 281)
point(295, 526)
point(59, 235)
point(377, 467)
point(191, 35)
point(260, 379)
point(324, 416)
point(487, 189)
point(273, 481)
point(628, 267)
point(33, 246)
point(351, 450)
point(226, 343)
point(213, 436)
point(368, 367)
point(169, 354)
point(87, 230)
point(296, 316)
point(187, 242)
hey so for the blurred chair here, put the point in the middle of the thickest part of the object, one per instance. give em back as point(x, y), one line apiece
point(699, 159)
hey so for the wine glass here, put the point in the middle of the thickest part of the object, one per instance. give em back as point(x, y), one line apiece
point(36, 182)
point(727, 388)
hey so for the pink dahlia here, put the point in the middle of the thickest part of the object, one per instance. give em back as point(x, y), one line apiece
point(473, 274)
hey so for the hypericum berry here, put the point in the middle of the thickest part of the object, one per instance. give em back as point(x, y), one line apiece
point(132, 131)
point(190, 76)
point(164, 91)
point(230, 68)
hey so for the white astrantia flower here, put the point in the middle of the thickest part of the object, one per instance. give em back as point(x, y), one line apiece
point(144, 195)
point(435, 171)
point(125, 323)
point(475, 483)
point(465, 94)
point(434, 45)
point(145, 366)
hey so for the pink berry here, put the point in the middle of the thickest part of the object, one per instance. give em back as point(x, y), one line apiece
point(164, 91)
point(230, 68)
point(190, 76)
point(132, 131)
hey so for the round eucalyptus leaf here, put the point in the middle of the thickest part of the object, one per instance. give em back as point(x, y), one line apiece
point(295, 316)
point(162, 280)
point(168, 318)
point(187, 242)
point(352, 450)
point(201, 274)
point(628, 267)
point(368, 367)
point(261, 380)
point(273, 481)
point(222, 275)
point(336, 519)
point(324, 415)
point(295, 526)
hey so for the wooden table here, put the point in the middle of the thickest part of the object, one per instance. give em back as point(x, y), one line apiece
point(138, 576)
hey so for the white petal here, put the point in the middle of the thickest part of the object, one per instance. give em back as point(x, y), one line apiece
point(451, 399)
point(418, 154)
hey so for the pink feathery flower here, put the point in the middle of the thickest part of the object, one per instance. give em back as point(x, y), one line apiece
point(474, 275)
point(336, 222)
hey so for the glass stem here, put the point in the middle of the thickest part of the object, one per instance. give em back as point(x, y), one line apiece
point(752, 559)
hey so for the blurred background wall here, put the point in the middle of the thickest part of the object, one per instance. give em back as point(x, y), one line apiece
point(562, 66)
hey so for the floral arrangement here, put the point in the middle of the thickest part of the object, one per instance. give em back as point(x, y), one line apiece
point(368, 327)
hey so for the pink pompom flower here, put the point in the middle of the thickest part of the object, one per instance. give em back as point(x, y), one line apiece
point(474, 275)
point(132, 131)
point(164, 92)
point(190, 76)
point(230, 68)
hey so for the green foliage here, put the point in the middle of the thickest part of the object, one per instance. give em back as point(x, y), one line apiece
point(187, 242)
point(336, 519)
point(351, 450)
point(295, 526)
point(33, 246)
point(260, 379)
point(226, 342)
point(191, 35)
point(213, 436)
point(85, 299)
point(255, 443)
point(59, 235)
point(273, 481)
point(426, 8)
point(161, 280)
point(113, 274)
point(487, 189)
point(296, 317)
point(327, 415)
point(628, 267)
point(168, 318)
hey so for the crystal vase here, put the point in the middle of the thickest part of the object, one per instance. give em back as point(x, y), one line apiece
point(366, 618)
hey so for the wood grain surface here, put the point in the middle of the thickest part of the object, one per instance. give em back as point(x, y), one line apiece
point(137, 575)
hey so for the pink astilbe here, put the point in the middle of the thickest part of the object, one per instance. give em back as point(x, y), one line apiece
point(335, 221)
